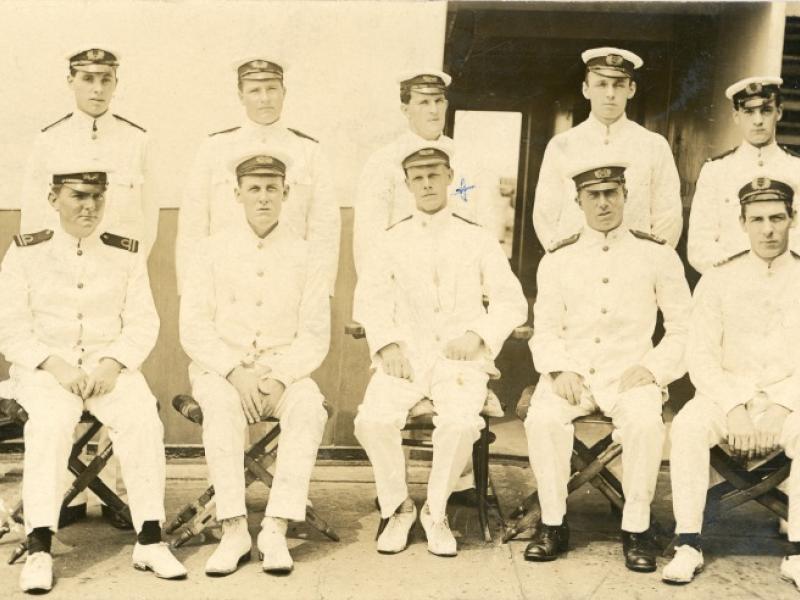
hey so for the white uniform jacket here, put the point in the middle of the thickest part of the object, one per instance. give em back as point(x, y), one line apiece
point(82, 300)
point(209, 203)
point(595, 311)
point(654, 200)
point(250, 300)
point(424, 285)
point(714, 230)
point(744, 332)
point(111, 143)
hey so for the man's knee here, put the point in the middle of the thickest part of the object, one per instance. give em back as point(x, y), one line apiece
point(306, 406)
point(790, 435)
point(690, 423)
point(547, 412)
point(219, 402)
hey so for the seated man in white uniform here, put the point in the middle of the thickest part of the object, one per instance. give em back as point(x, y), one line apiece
point(743, 359)
point(255, 320)
point(599, 292)
point(77, 320)
point(420, 299)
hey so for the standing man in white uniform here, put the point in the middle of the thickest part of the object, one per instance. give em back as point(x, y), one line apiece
point(77, 320)
point(420, 299)
point(715, 232)
point(654, 201)
point(599, 292)
point(208, 204)
point(255, 320)
point(93, 135)
point(744, 362)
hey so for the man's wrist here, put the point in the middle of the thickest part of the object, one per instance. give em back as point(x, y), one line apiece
point(112, 361)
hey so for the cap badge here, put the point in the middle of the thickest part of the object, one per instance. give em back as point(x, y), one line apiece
point(754, 88)
point(91, 177)
point(259, 64)
point(603, 173)
point(95, 54)
point(426, 152)
point(614, 60)
point(264, 160)
point(761, 183)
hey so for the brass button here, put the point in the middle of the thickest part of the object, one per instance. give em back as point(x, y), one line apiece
point(80, 285)
point(604, 310)
point(606, 141)
point(258, 333)
point(438, 339)
point(727, 200)
point(591, 371)
point(605, 248)
point(80, 252)
point(94, 136)
point(260, 245)
point(80, 316)
point(260, 273)
point(80, 362)
point(605, 279)
point(596, 340)
point(258, 303)
point(436, 310)
point(761, 163)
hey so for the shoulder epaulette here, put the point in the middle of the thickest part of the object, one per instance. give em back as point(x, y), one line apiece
point(795, 254)
point(224, 131)
point(303, 135)
point(131, 123)
point(642, 235)
point(790, 152)
point(61, 120)
point(465, 220)
point(725, 261)
point(724, 154)
point(398, 222)
point(117, 241)
point(31, 239)
point(565, 242)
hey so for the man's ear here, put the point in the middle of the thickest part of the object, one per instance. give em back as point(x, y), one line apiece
point(404, 109)
point(51, 198)
point(237, 194)
point(449, 175)
point(631, 89)
point(741, 222)
point(585, 89)
point(286, 187)
point(779, 110)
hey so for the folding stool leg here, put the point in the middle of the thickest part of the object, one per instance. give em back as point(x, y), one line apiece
point(480, 465)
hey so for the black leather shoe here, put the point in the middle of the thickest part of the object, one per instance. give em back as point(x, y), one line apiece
point(548, 543)
point(467, 497)
point(114, 519)
point(639, 556)
point(71, 514)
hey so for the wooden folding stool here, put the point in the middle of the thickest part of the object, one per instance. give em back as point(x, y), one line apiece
point(86, 476)
point(745, 481)
point(195, 517)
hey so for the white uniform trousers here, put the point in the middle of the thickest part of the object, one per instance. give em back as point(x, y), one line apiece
point(699, 426)
point(458, 391)
point(636, 416)
point(302, 419)
point(130, 414)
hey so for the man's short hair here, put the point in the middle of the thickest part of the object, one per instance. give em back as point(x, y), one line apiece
point(789, 204)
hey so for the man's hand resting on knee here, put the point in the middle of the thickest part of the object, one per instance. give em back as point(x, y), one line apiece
point(768, 429)
point(465, 347)
point(246, 383)
point(635, 376)
point(70, 378)
point(741, 432)
point(569, 385)
point(395, 363)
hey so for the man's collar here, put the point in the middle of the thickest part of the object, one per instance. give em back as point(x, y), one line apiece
point(62, 239)
point(84, 121)
point(776, 264)
point(615, 127)
point(751, 152)
point(592, 236)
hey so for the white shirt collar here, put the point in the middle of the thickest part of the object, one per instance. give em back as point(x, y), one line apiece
point(778, 263)
point(592, 236)
point(63, 240)
point(767, 152)
point(607, 130)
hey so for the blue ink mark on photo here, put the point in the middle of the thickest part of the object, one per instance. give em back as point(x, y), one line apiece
point(463, 188)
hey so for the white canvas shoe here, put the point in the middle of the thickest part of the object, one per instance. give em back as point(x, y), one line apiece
point(158, 559)
point(272, 546)
point(37, 573)
point(394, 537)
point(440, 539)
point(232, 550)
point(790, 569)
point(686, 563)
